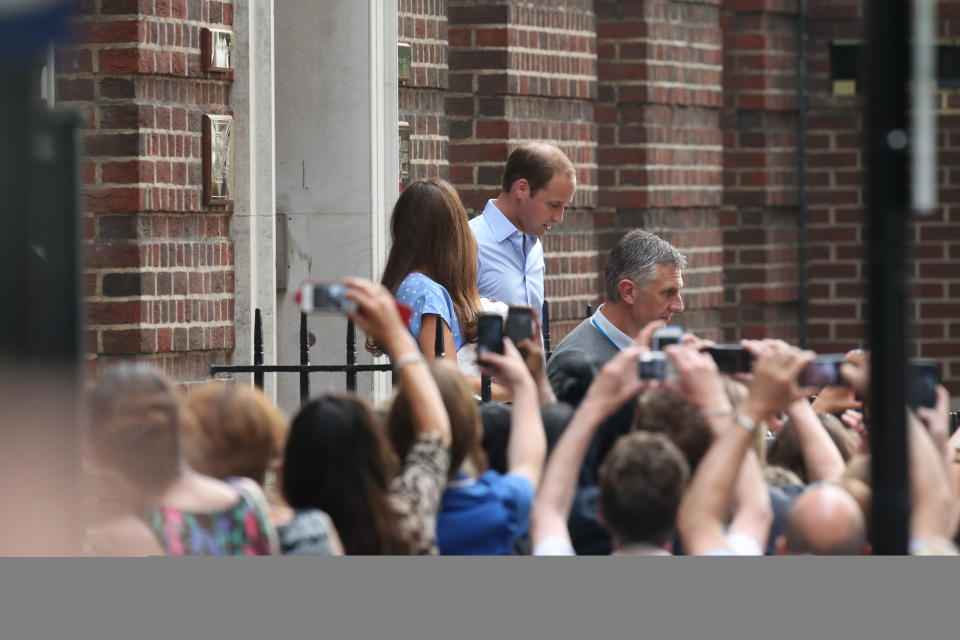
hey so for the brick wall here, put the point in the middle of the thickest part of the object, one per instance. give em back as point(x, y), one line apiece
point(159, 264)
point(759, 217)
point(521, 72)
point(835, 175)
point(423, 24)
point(660, 151)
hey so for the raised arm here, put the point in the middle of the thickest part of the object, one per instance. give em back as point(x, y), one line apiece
point(752, 512)
point(934, 515)
point(820, 455)
point(616, 383)
point(702, 511)
point(932, 483)
point(527, 446)
point(377, 315)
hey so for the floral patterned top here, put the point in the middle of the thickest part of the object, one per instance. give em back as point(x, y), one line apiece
point(415, 494)
point(240, 530)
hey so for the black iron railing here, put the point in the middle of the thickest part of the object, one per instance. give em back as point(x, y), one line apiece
point(350, 369)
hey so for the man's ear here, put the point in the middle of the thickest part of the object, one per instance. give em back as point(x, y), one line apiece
point(628, 290)
point(520, 189)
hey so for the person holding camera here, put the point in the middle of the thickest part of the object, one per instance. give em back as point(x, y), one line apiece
point(338, 459)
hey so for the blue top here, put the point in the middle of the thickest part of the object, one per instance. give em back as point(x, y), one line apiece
point(423, 295)
point(504, 272)
point(485, 516)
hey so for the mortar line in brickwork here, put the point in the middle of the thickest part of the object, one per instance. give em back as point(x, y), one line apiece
point(673, 85)
point(551, 53)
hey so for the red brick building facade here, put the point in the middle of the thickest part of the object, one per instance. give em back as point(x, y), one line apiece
point(159, 264)
point(681, 117)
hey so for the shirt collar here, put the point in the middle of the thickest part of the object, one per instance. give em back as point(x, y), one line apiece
point(619, 338)
point(500, 225)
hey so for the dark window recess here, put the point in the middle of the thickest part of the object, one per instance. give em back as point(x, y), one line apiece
point(845, 61)
point(948, 66)
point(845, 64)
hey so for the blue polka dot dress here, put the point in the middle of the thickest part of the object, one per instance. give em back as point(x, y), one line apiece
point(423, 295)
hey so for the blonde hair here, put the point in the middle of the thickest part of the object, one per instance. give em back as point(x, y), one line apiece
point(236, 431)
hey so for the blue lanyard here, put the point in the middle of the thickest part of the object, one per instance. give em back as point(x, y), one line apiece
point(596, 326)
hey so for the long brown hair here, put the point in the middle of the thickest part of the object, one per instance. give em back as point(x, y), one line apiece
point(338, 460)
point(466, 444)
point(429, 233)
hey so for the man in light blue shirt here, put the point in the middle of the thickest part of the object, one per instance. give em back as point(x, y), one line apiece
point(538, 184)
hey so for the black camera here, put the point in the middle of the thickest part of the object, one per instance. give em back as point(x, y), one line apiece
point(824, 371)
point(731, 358)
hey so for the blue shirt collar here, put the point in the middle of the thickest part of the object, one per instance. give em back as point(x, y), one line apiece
point(610, 330)
point(500, 225)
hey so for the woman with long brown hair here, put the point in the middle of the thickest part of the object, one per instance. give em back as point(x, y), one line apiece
point(432, 269)
point(432, 266)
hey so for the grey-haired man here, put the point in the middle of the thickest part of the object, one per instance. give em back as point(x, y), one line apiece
point(642, 282)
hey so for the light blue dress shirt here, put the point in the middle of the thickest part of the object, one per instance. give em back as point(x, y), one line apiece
point(504, 273)
point(610, 331)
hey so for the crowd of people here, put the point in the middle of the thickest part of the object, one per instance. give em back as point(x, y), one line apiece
point(577, 453)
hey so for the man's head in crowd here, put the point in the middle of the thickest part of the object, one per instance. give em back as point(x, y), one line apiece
point(642, 280)
point(642, 480)
point(785, 450)
point(660, 411)
point(538, 184)
point(825, 521)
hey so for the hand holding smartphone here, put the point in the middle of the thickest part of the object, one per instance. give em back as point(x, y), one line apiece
point(519, 324)
point(489, 333)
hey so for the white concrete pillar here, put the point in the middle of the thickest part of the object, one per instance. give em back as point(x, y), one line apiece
point(254, 218)
point(337, 164)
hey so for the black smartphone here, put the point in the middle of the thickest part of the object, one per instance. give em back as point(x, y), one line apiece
point(954, 422)
point(670, 334)
point(519, 324)
point(489, 333)
point(731, 358)
point(923, 376)
point(824, 371)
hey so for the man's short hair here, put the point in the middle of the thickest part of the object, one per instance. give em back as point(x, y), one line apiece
point(635, 258)
point(660, 411)
point(641, 483)
point(537, 163)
